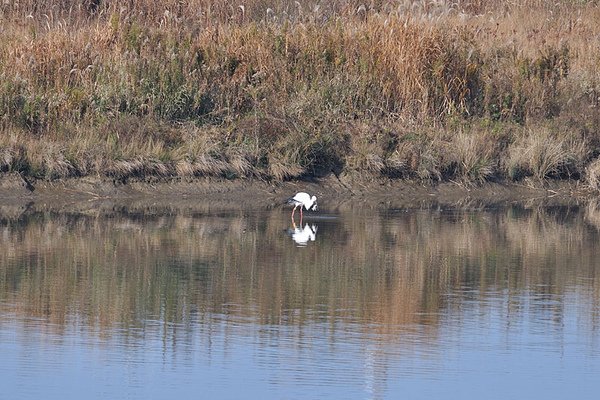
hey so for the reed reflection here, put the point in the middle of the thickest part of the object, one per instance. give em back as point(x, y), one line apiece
point(386, 271)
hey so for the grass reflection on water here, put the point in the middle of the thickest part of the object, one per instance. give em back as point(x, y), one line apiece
point(382, 271)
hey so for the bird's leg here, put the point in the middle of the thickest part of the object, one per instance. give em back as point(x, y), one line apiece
point(294, 210)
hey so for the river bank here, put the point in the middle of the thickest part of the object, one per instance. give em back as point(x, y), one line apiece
point(97, 194)
point(446, 92)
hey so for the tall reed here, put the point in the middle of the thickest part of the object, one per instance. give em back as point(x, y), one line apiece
point(282, 90)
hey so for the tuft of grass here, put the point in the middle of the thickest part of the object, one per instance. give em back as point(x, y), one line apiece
point(367, 152)
point(544, 154)
point(48, 161)
point(199, 154)
point(473, 156)
point(592, 174)
point(422, 155)
point(13, 154)
point(202, 165)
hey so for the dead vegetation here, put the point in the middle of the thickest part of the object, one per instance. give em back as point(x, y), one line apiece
point(278, 90)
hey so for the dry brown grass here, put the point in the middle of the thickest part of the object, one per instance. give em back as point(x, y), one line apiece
point(592, 174)
point(368, 150)
point(287, 89)
point(544, 154)
point(474, 156)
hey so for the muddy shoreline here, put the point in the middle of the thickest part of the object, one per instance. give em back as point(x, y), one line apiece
point(94, 194)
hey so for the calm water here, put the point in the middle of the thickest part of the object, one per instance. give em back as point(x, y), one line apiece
point(356, 304)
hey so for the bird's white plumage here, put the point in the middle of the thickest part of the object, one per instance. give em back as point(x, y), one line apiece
point(303, 199)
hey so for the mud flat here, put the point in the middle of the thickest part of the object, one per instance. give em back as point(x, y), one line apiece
point(92, 194)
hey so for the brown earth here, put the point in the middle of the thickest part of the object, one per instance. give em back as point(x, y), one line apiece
point(95, 194)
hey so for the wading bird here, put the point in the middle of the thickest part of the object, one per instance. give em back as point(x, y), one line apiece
point(303, 200)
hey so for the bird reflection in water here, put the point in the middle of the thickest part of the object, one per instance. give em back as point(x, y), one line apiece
point(303, 235)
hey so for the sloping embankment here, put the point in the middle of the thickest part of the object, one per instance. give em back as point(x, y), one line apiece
point(94, 194)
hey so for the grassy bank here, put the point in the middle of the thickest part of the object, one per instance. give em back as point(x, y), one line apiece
point(433, 91)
